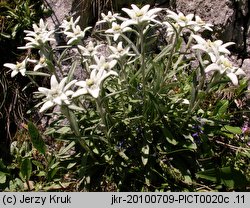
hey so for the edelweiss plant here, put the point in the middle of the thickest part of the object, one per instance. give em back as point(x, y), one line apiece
point(93, 84)
point(58, 94)
point(18, 67)
point(146, 120)
point(39, 37)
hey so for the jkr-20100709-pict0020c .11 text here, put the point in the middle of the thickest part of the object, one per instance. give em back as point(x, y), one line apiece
point(124, 199)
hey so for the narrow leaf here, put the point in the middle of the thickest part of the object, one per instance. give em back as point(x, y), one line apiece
point(169, 137)
point(145, 154)
point(232, 129)
point(2, 177)
point(72, 70)
point(26, 169)
point(221, 108)
point(227, 176)
point(36, 73)
point(36, 138)
point(163, 53)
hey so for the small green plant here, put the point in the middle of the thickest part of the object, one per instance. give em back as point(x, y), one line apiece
point(18, 15)
point(34, 167)
point(15, 16)
point(143, 120)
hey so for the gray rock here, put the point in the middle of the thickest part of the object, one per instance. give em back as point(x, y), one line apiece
point(248, 39)
point(218, 12)
point(228, 17)
point(246, 66)
point(60, 9)
point(244, 7)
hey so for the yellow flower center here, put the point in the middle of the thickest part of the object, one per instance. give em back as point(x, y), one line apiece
point(18, 65)
point(120, 50)
point(210, 43)
point(117, 28)
point(183, 18)
point(200, 22)
point(227, 64)
point(42, 60)
point(139, 14)
point(76, 32)
point(90, 49)
point(106, 65)
point(89, 82)
point(38, 38)
point(54, 92)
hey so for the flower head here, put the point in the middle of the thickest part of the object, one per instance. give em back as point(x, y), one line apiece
point(42, 28)
point(38, 37)
point(224, 66)
point(18, 67)
point(109, 18)
point(76, 34)
point(139, 16)
point(58, 94)
point(200, 24)
point(93, 84)
point(245, 129)
point(41, 63)
point(181, 19)
point(103, 64)
point(171, 28)
point(213, 49)
point(68, 25)
point(90, 50)
point(119, 51)
point(118, 29)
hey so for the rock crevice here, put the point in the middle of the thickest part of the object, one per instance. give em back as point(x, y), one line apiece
point(231, 18)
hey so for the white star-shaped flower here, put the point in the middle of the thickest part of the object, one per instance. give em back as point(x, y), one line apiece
point(58, 94)
point(90, 50)
point(119, 51)
point(181, 19)
point(139, 16)
point(103, 64)
point(38, 37)
point(200, 24)
point(69, 24)
point(75, 35)
point(224, 66)
point(41, 63)
point(109, 18)
point(18, 67)
point(118, 29)
point(213, 49)
point(92, 85)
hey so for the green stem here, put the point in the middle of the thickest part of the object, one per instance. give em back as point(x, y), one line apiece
point(48, 53)
point(201, 76)
point(170, 58)
point(28, 185)
point(196, 102)
point(213, 82)
point(180, 59)
point(59, 65)
point(102, 115)
point(82, 61)
point(131, 43)
point(123, 73)
point(189, 42)
point(74, 126)
point(32, 80)
point(143, 63)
